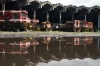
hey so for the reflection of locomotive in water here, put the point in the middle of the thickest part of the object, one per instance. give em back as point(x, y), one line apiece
point(82, 41)
point(78, 40)
point(43, 54)
point(26, 42)
point(23, 46)
point(19, 47)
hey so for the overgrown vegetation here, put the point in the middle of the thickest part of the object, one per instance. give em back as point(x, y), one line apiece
point(98, 31)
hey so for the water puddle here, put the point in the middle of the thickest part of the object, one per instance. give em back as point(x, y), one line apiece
point(50, 51)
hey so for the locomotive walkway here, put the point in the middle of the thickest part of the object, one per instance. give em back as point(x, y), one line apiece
point(45, 34)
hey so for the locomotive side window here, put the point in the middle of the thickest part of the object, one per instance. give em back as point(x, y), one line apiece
point(15, 15)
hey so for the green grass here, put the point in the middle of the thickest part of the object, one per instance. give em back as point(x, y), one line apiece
point(49, 32)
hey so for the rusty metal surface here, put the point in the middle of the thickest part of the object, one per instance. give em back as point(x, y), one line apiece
point(45, 24)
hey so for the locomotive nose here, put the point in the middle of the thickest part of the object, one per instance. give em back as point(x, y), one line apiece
point(25, 19)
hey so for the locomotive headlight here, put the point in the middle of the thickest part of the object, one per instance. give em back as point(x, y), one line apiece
point(15, 21)
point(28, 20)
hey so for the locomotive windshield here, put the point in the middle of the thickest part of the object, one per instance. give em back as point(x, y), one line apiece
point(24, 14)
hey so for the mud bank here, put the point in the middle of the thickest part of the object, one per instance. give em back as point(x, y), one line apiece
point(44, 34)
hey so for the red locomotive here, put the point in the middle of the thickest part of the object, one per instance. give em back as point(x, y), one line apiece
point(15, 20)
point(80, 25)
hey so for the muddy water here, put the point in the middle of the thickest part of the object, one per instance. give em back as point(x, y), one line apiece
point(50, 51)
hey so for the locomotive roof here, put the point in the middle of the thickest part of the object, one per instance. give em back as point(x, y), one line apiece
point(12, 11)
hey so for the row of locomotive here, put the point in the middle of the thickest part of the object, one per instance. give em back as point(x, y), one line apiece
point(76, 26)
point(19, 20)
